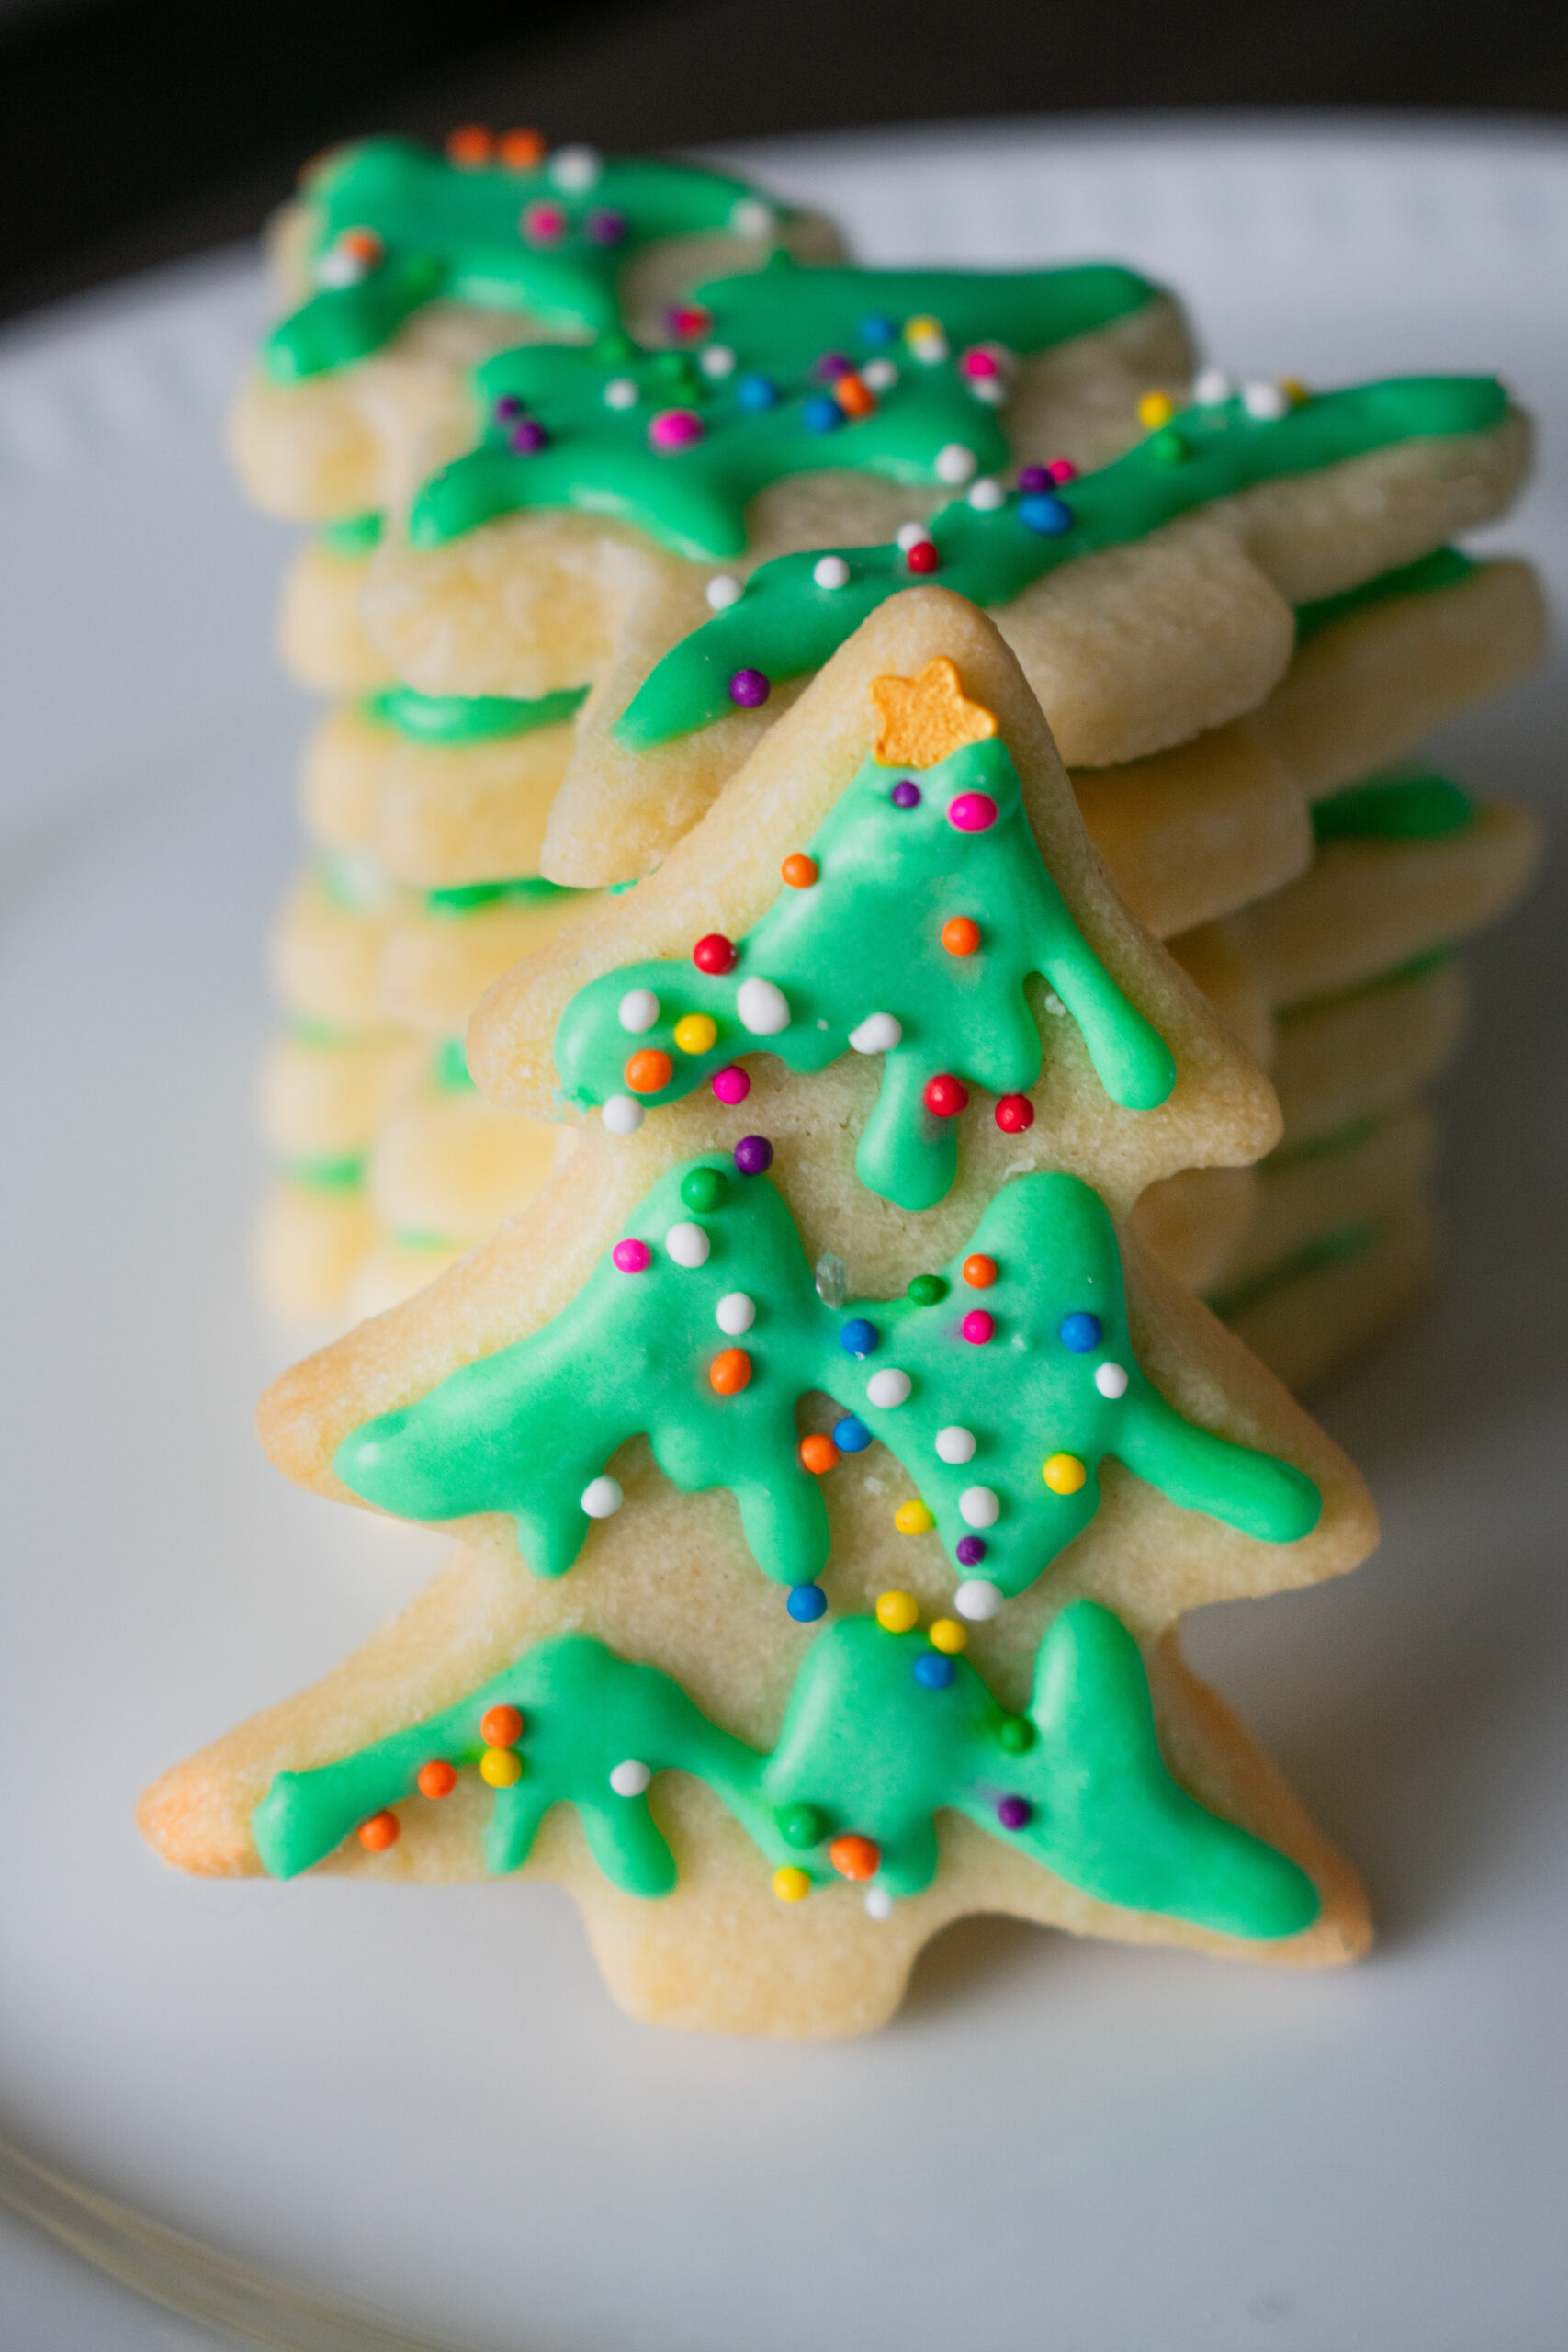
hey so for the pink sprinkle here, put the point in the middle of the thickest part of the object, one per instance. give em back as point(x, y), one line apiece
point(632, 1257)
point(544, 224)
point(731, 1083)
point(675, 428)
point(1062, 469)
point(978, 1327)
point(972, 813)
point(979, 362)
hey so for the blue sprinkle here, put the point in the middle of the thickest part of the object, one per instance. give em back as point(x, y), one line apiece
point(850, 1435)
point(821, 414)
point(1041, 512)
point(877, 328)
point(1081, 1332)
point(756, 392)
point(857, 1337)
point(932, 1671)
point(805, 1603)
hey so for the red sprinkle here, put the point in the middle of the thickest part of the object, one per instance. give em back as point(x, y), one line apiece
point(713, 953)
point(1014, 1113)
point(923, 556)
point(944, 1096)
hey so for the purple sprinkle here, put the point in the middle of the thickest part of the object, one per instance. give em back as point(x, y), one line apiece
point(750, 688)
point(906, 794)
point(529, 437)
point(753, 1155)
point(1034, 477)
point(508, 406)
point(606, 227)
point(970, 1551)
point(831, 366)
point(1014, 1812)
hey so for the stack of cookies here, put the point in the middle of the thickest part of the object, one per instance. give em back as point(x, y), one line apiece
point(781, 708)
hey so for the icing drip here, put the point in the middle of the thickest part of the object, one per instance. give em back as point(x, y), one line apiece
point(469, 719)
point(1444, 568)
point(1393, 807)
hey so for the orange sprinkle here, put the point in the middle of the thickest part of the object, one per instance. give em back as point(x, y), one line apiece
point(648, 1070)
point(961, 936)
point(855, 396)
point(363, 244)
point(380, 1832)
point(799, 871)
point(437, 1778)
point(500, 1727)
point(469, 145)
point(521, 150)
point(817, 1454)
point(855, 1857)
point(730, 1371)
point(979, 1273)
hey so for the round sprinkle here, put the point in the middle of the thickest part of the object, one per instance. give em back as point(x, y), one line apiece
point(955, 464)
point(1015, 1113)
point(576, 168)
point(675, 428)
point(881, 375)
point(638, 1009)
point(878, 1903)
point(1264, 401)
point(380, 1831)
point(818, 1454)
point(913, 1518)
point(821, 414)
point(905, 794)
point(1016, 1735)
point(790, 1883)
point(949, 1636)
point(753, 1155)
point(961, 935)
point(978, 1599)
point(688, 1245)
point(909, 534)
point(730, 1371)
point(648, 1070)
point(927, 1289)
point(631, 1257)
point(857, 1337)
point(468, 145)
point(980, 1507)
point(722, 590)
point(544, 224)
point(620, 393)
point(877, 327)
point(854, 395)
point(1212, 388)
point(972, 813)
point(696, 1032)
point(604, 227)
point(889, 1389)
point(602, 1497)
point(705, 1189)
point(944, 1096)
point(954, 1443)
point(756, 393)
point(831, 1280)
point(980, 1272)
point(526, 440)
point(1014, 1812)
point(735, 1314)
point(717, 362)
point(969, 1551)
point(749, 689)
point(805, 1603)
point(923, 557)
point(799, 871)
point(622, 1115)
point(897, 1612)
point(1046, 516)
point(855, 1857)
point(1081, 1332)
point(934, 1672)
point(437, 1778)
point(713, 953)
point(731, 1084)
point(1111, 1379)
point(752, 217)
point(1064, 1474)
point(851, 1435)
point(1156, 409)
point(830, 571)
point(507, 407)
point(630, 1779)
point(877, 1033)
point(499, 1769)
point(978, 1328)
point(987, 494)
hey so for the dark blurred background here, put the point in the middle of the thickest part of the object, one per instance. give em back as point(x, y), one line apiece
point(133, 131)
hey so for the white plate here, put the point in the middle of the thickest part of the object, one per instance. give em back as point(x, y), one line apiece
point(423, 2102)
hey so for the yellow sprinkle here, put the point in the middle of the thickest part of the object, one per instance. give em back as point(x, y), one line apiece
point(696, 1032)
point(1156, 409)
point(1064, 1474)
point(791, 1884)
point(897, 1611)
point(912, 1519)
point(948, 1635)
point(923, 328)
point(1296, 391)
point(501, 1767)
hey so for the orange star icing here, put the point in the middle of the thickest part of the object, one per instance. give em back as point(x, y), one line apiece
point(927, 719)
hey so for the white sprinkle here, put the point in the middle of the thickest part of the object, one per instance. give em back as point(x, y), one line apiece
point(830, 571)
point(638, 1011)
point(877, 1033)
point(928, 348)
point(338, 269)
point(630, 1779)
point(988, 389)
point(1054, 1007)
point(1211, 387)
point(752, 217)
point(688, 1244)
point(888, 1387)
point(724, 589)
point(978, 1507)
point(576, 168)
point(879, 375)
point(622, 1115)
point(602, 1497)
point(987, 494)
point(717, 361)
point(977, 1597)
point(913, 535)
point(1112, 1380)
point(955, 463)
point(735, 1313)
point(878, 1903)
point(621, 392)
point(1265, 401)
point(954, 1444)
point(763, 1008)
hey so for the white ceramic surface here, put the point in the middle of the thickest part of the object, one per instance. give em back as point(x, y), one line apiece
point(423, 2103)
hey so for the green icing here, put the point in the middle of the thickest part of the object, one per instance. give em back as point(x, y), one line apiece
point(353, 534)
point(469, 719)
point(1393, 807)
point(1444, 568)
point(770, 413)
point(503, 239)
point(344, 1175)
point(1334, 1249)
point(526, 1430)
point(452, 1073)
point(785, 624)
point(866, 938)
point(472, 898)
point(865, 1748)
